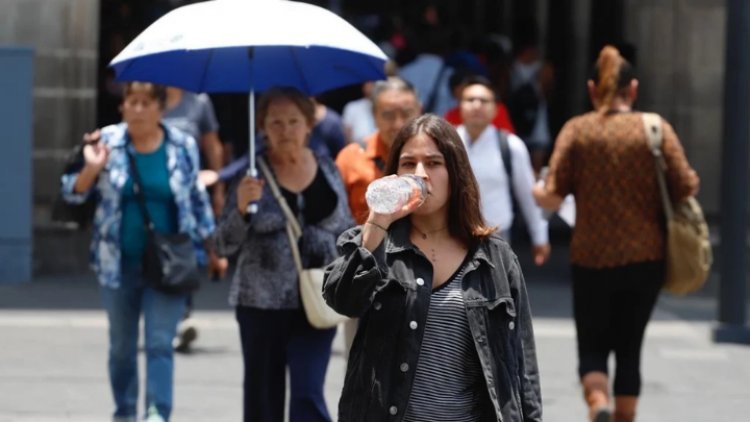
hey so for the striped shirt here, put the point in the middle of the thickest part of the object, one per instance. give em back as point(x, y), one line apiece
point(448, 379)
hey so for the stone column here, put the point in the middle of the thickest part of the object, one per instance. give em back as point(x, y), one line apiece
point(64, 35)
point(681, 69)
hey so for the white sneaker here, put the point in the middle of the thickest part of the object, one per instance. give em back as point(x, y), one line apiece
point(153, 415)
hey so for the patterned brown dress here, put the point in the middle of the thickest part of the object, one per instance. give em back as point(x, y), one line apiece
point(604, 160)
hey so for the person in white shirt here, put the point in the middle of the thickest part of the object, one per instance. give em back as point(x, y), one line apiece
point(483, 145)
point(359, 121)
point(428, 73)
point(357, 117)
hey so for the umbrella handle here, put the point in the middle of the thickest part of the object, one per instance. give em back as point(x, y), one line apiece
point(252, 208)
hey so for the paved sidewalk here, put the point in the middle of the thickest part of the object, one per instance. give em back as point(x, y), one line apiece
point(53, 357)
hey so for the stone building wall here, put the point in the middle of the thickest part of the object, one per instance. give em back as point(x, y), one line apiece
point(64, 35)
point(680, 58)
point(681, 50)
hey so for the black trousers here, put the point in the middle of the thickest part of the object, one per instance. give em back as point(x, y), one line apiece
point(612, 307)
point(272, 341)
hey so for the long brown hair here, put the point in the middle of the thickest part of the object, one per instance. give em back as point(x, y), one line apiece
point(612, 75)
point(464, 213)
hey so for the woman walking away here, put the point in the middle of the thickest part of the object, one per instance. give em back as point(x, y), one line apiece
point(618, 247)
point(445, 326)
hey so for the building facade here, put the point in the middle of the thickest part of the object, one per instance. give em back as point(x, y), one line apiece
point(680, 60)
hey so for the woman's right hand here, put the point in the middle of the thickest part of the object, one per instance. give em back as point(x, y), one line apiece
point(249, 190)
point(415, 201)
point(95, 154)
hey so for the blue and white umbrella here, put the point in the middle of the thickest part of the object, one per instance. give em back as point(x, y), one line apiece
point(248, 46)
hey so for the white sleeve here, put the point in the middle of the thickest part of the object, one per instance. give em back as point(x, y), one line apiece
point(347, 115)
point(523, 182)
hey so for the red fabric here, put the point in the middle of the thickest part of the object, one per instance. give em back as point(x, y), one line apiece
point(501, 120)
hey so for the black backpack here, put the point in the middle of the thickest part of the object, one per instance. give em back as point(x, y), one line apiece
point(505, 155)
point(523, 107)
point(79, 214)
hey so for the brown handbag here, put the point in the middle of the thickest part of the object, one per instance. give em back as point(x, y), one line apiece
point(688, 255)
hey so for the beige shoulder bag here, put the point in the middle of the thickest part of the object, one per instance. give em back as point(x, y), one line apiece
point(318, 313)
point(688, 255)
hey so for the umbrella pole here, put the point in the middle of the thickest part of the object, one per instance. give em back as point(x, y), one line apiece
point(252, 171)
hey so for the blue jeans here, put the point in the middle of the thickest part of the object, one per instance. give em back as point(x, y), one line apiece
point(273, 340)
point(161, 313)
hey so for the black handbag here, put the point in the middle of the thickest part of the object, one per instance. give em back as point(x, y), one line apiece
point(169, 261)
point(81, 215)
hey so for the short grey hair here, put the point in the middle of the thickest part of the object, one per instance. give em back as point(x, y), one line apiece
point(393, 83)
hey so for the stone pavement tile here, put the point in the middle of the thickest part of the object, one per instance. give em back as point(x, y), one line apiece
point(686, 377)
point(53, 368)
point(53, 359)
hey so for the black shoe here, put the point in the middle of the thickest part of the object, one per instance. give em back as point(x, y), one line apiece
point(603, 414)
point(186, 335)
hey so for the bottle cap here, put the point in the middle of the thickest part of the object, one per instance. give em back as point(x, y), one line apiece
point(418, 181)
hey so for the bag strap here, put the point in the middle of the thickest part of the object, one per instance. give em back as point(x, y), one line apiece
point(293, 229)
point(504, 145)
point(652, 126)
point(140, 198)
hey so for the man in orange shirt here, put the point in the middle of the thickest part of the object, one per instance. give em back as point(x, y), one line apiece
point(394, 103)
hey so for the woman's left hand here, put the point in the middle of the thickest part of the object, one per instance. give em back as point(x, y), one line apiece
point(217, 266)
point(541, 253)
point(545, 199)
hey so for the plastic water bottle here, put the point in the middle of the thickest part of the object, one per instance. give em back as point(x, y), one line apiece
point(390, 194)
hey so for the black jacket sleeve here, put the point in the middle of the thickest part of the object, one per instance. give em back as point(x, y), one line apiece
point(352, 281)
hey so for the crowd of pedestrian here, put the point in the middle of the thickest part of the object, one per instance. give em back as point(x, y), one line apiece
point(441, 325)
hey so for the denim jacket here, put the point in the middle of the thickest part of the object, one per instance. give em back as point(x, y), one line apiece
point(390, 288)
point(194, 213)
point(266, 276)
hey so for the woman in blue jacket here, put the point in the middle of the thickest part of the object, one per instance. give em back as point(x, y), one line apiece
point(167, 162)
